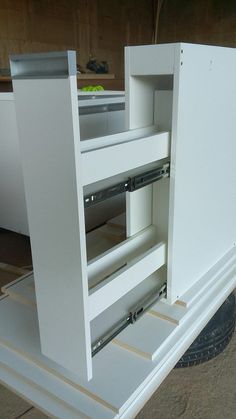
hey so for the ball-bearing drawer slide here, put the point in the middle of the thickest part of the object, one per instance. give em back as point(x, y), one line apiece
point(130, 185)
point(133, 316)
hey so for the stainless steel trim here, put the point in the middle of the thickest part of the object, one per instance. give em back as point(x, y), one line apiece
point(43, 65)
point(110, 107)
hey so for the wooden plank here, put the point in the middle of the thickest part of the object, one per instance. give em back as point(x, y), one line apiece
point(117, 285)
point(146, 337)
point(99, 164)
point(173, 313)
point(5, 79)
point(119, 221)
point(112, 233)
point(13, 269)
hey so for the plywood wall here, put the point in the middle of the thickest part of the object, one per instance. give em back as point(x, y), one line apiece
point(103, 27)
point(198, 21)
point(93, 27)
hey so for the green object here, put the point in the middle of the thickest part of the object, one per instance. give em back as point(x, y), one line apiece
point(92, 88)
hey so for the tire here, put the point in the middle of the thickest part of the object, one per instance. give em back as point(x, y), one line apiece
point(214, 337)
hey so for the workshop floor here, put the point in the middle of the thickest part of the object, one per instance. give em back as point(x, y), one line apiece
point(207, 391)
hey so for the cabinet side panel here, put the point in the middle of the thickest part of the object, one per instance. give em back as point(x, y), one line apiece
point(47, 114)
point(203, 194)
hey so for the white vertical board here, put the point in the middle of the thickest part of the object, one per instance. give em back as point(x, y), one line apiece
point(138, 210)
point(160, 203)
point(138, 91)
point(12, 197)
point(93, 125)
point(163, 102)
point(202, 225)
point(47, 115)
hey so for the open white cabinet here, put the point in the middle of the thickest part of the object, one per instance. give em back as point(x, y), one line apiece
point(98, 325)
point(100, 113)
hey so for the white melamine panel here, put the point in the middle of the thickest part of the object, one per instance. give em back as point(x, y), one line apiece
point(98, 124)
point(106, 263)
point(160, 207)
point(106, 321)
point(143, 108)
point(112, 160)
point(200, 232)
point(144, 61)
point(115, 121)
point(13, 214)
point(54, 195)
point(118, 138)
point(14, 334)
point(163, 103)
point(28, 357)
point(202, 224)
point(225, 264)
point(128, 277)
point(138, 210)
point(93, 125)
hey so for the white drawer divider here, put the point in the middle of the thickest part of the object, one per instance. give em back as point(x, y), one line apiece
point(112, 160)
point(128, 277)
point(103, 265)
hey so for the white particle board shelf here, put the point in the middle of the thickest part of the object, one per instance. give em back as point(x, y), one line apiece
point(119, 255)
point(125, 279)
point(127, 155)
point(118, 138)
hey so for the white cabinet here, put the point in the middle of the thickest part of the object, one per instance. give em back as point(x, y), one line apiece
point(99, 317)
point(13, 214)
point(101, 113)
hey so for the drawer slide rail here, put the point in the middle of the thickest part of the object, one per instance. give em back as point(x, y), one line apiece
point(134, 315)
point(129, 185)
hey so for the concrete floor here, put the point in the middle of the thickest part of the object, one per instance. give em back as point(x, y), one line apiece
point(207, 391)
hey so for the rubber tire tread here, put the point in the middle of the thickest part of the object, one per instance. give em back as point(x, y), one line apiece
point(214, 337)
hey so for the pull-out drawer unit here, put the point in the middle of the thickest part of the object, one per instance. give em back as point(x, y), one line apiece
point(122, 302)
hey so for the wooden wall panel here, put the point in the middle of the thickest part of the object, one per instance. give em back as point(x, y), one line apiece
point(203, 21)
point(100, 28)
